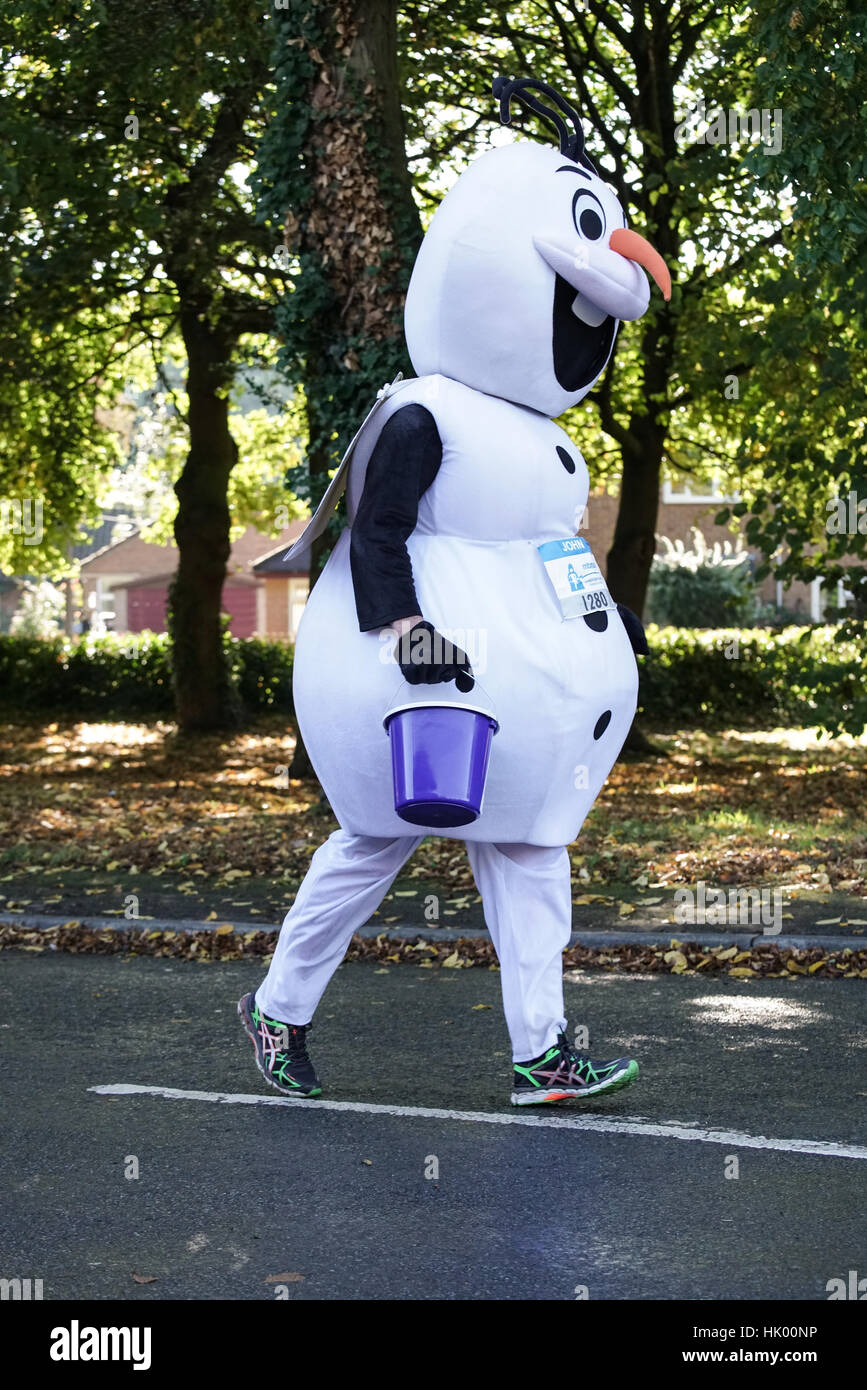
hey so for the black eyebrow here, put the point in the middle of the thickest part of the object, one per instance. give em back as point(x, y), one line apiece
point(572, 169)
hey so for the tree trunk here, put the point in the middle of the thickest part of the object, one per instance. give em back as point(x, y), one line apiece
point(644, 441)
point(634, 544)
point(360, 227)
point(204, 696)
point(362, 230)
point(373, 58)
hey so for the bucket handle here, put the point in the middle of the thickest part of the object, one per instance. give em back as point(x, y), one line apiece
point(403, 683)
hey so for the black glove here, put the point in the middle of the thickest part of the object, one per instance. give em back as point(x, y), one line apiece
point(426, 658)
point(634, 630)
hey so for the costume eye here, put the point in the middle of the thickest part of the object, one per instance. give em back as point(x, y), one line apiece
point(588, 215)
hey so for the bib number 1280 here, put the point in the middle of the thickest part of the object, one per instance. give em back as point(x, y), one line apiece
point(575, 577)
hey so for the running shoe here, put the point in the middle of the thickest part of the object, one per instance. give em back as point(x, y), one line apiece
point(281, 1050)
point(561, 1073)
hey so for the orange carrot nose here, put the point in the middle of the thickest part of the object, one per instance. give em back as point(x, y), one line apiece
point(637, 248)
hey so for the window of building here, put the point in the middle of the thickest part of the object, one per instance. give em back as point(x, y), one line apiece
point(298, 590)
point(692, 490)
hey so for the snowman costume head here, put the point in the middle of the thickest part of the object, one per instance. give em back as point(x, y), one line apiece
point(527, 269)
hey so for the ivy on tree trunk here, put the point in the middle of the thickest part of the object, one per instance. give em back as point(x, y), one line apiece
point(334, 174)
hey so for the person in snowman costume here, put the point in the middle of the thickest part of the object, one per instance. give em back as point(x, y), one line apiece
point(463, 503)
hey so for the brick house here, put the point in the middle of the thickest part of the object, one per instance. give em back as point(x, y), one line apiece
point(284, 592)
point(128, 581)
point(126, 585)
point(681, 509)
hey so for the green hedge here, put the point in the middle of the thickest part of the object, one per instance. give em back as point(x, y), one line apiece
point(129, 674)
point(262, 672)
point(798, 676)
point(692, 678)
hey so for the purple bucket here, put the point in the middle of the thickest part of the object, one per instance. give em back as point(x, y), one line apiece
point(439, 761)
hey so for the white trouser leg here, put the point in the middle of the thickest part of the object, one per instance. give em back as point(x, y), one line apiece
point(527, 896)
point(348, 878)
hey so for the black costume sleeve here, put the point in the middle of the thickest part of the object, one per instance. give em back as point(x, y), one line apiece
point(403, 465)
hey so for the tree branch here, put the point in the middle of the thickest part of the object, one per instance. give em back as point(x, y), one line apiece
point(602, 13)
point(220, 150)
point(608, 420)
point(605, 68)
point(437, 153)
point(700, 447)
point(700, 279)
point(248, 315)
point(688, 396)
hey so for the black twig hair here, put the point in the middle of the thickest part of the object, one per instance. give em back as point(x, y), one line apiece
point(571, 141)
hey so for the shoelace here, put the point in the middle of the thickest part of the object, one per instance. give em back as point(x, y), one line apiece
point(293, 1042)
point(571, 1061)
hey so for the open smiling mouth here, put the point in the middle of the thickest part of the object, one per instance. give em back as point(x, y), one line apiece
point(581, 345)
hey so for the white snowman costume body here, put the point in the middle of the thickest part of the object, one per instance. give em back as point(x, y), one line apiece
point(511, 317)
point(501, 491)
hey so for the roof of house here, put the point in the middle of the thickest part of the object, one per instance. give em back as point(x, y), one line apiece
point(113, 526)
point(272, 561)
point(138, 560)
point(132, 555)
point(157, 581)
point(253, 547)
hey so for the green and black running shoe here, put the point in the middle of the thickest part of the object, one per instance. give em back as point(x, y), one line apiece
point(281, 1051)
point(563, 1074)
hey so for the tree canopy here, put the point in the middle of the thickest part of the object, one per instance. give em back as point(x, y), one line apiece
point(189, 181)
point(130, 229)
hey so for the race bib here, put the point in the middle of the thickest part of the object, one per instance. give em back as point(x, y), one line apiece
point(576, 577)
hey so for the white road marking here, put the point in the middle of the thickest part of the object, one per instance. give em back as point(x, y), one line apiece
point(733, 1139)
